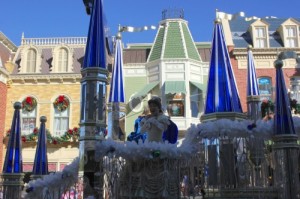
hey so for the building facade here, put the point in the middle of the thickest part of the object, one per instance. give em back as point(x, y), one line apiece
point(44, 74)
point(46, 80)
point(269, 37)
point(174, 68)
point(7, 52)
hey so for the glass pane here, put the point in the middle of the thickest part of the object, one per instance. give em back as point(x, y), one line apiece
point(31, 60)
point(63, 60)
point(196, 98)
point(56, 129)
point(175, 108)
point(61, 125)
point(28, 124)
point(265, 88)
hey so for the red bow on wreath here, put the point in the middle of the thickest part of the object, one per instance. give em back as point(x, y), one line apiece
point(61, 103)
point(29, 104)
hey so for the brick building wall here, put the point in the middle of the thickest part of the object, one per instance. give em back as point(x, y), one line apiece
point(241, 78)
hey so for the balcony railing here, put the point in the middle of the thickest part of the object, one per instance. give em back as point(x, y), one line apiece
point(54, 41)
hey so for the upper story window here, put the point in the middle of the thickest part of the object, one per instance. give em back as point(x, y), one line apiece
point(259, 31)
point(260, 37)
point(289, 33)
point(63, 60)
point(31, 61)
point(291, 36)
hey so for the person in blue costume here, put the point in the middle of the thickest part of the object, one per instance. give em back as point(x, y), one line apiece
point(136, 134)
point(171, 133)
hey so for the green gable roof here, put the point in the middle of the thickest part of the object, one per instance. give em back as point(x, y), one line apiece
point(174, 46)
point(157, 47)
point(173, 40)
point(190, 45)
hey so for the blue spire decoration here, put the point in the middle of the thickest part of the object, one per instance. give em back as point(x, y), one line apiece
point(253, 98)
point(222, 94)
point(13, 157)
point(283, 121)
point(95, 53)
point(252, 84)
point(117, 93)
point(40, 166)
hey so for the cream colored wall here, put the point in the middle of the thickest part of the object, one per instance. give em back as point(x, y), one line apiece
point(45, 93)
point(57, 155)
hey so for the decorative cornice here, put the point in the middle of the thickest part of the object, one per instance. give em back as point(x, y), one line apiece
point(263, 51)
point(3, 75)
point(49, 78)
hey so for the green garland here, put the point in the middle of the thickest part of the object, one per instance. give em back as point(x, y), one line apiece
point(69, 135)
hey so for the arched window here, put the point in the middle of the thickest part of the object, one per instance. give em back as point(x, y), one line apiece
point(62, 60)
point(28, 115)
point(265, 88)
point(61, 115)
point(31, 61)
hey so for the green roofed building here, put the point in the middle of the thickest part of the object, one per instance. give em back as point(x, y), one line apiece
point(174, 68)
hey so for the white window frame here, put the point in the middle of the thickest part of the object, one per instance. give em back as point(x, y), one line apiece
point(295, 88)
point(58, 59)
point(260, 37)
point(291, 39)
point(63, 60)
point(24, 59)
point(264, 96)
point(60, 115)
point(25, 115)
point(31, 60)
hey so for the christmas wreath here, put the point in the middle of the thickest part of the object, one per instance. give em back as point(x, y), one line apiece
point(29, 104)
point(267, 107)
point(295, 106)
point(61, 103)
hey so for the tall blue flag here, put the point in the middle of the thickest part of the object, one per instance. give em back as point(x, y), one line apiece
point(40, 166)
point(13, 158)
point(95, 53)
point(222, 94)
point(117, 93)
point(283, 121)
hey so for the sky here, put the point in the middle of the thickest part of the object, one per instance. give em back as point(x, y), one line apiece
point(68, 18)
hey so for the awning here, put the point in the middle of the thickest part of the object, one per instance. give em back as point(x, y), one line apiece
point(146, 89)
point(202, 87)
point(175, 87)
